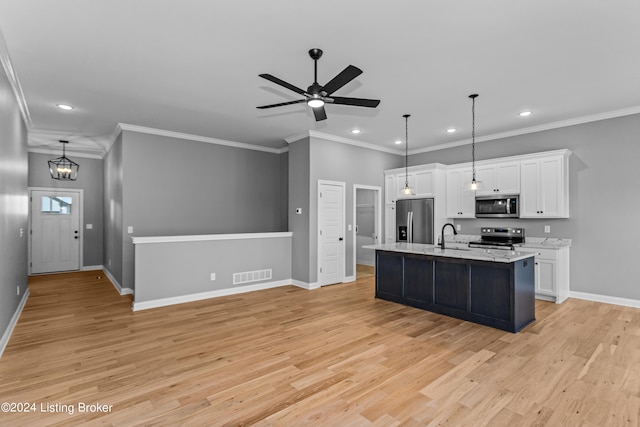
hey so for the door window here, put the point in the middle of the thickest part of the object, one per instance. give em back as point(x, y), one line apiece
point(56, 205)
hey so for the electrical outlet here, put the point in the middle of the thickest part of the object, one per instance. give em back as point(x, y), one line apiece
point(458, 227)
point(89, 226)
point(213, 276)
point(18, 290)
point(109, 263)
point(21, 232)
point(547, 229)
point(130, 229)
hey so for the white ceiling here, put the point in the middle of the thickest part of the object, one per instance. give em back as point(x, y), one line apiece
point(192, 66)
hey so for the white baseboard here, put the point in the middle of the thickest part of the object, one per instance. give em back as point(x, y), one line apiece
point(348, 279)
point(144, 305)
point(12, 323)
point(305, 285)
point(626, 302)
point(91, 267)
point(114, 282)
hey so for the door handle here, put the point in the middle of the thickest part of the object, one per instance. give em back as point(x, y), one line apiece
point(75, 237)
point(340, 238)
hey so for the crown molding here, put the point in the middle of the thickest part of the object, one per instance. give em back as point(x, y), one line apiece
point(547, 126)
point(5, 59)
point(68, 152)
point(191, 137)
point(342, 140)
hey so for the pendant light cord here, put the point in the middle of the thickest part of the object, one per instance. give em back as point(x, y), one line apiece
point(473, 135)
point(406, 149)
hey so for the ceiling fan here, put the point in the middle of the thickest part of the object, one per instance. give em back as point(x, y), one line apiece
point(316, 95)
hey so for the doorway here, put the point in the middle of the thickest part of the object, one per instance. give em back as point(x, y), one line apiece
point(56, 235)
point(331, 242)
point(367, 229)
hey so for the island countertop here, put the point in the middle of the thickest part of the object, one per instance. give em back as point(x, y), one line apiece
point(494, 255)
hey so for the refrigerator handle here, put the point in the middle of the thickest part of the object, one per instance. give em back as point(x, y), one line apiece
point(410, 227)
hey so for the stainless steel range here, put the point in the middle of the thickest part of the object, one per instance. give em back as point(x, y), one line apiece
point(499, 238)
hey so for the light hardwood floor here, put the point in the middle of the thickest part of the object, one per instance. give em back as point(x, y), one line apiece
point(335, 356)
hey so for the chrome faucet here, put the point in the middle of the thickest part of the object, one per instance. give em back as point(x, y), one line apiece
point(453, 227)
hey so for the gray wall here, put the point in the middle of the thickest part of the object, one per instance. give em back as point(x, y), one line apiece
point(335, 161)
point(604, 201)
point(299, 188)
point(90, 179)
point(14, 206)
point(169, 270)
point(112, 211)
point(180, 187)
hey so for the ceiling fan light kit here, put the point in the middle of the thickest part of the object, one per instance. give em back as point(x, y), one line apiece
point(316, 95)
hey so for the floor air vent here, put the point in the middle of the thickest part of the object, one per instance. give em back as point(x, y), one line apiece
point(251, 276)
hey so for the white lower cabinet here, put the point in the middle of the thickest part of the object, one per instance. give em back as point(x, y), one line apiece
point(552, 273)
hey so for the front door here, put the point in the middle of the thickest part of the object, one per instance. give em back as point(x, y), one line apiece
point(55, 231)
point(331, 233)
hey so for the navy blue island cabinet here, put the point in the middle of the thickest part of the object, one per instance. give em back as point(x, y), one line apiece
point(496, 294)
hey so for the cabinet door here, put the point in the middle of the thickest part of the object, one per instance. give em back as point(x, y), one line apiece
point(460, 201)
point(418, 280)
point(401, 180)
point(550, 188)
point(545, 277)
point(390, 189)
point(508, 178)
point(424, 183)
point(389, 276)
point(451, 285)
point(487, 176)
point(390, 224)
point(530, 192)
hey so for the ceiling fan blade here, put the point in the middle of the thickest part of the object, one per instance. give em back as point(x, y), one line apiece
point(319, 113)
point(282, 83)
point(342, 79)
point(262, 107)
point(358, 102)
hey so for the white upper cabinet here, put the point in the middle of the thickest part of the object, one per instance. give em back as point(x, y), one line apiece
point(499, 178)
point(425, 181)
point(545, 187)
point(403, 178)
point(460, 200)
point(390, 189)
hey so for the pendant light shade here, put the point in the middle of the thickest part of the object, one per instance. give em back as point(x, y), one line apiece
point(63, 168)
point(406, 191)
point(474, 184)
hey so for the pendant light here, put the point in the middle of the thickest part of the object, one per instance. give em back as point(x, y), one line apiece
point(63, 168)
point(406, 191)
point(474, 185)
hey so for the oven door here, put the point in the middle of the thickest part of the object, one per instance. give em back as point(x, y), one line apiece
point(497, 207)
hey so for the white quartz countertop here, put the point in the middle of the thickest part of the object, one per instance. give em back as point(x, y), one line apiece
point(479, 254)
point(530, 242)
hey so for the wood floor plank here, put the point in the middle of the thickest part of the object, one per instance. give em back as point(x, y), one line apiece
point(331, 356)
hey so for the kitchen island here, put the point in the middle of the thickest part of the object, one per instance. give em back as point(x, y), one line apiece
point(487, 286)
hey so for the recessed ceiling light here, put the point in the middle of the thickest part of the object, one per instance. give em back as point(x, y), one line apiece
point(397, 142)
point(525, 113)
point(355, 131)
point(65, 106)
point(451, 130)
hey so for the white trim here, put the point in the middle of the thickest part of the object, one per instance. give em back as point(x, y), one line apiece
point(208, 237)
point(626, 302)
point(12, 77)
point(305, 285)
point(191, 137)
point(12, 323)
point(162, 302)
point(548, 126)
point(114, 282)
point(80, 192)
point(91, 268)
point(378, 213)
point(349, 279)
point(70, 153)
point(342, 140)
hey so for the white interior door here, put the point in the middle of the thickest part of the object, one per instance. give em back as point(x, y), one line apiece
point(331, 233)
point(55, 231)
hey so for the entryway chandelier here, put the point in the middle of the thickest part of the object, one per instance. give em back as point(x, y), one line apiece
point(63, 168)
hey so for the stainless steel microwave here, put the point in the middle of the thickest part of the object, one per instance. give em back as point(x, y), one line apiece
point(497, 207)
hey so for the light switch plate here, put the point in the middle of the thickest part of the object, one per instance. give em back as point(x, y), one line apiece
point(89, 226)
point(547, 229)
point(130, 229)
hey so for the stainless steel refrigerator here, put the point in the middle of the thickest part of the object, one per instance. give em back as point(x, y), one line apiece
point(414, 221)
